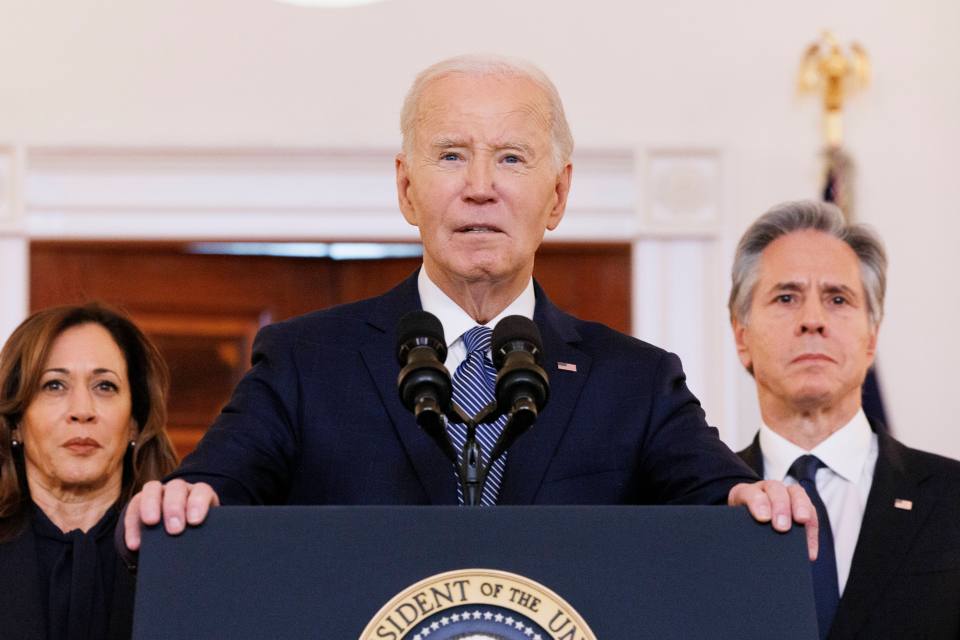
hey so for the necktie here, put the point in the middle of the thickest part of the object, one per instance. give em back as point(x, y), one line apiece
point(826, 591)
point(473, 388)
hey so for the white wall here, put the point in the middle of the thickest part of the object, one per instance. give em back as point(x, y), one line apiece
point(634, 75)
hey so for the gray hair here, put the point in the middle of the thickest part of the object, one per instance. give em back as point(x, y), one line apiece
point(800, 216)
point(489, 65)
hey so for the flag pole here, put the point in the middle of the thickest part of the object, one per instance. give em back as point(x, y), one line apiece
point(835, 73)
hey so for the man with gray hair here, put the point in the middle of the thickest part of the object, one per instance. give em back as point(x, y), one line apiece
point(806, 303)
point(484, 172)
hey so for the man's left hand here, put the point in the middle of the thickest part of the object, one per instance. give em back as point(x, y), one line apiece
point(771, 501)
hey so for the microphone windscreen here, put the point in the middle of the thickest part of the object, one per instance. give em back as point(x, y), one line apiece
point(513, 328)
point(419, 324)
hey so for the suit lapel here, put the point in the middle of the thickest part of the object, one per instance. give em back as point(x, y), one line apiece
point(529, 458)
point(753, 456)
point(885, 535)
point(432, 467)
point(20, 596)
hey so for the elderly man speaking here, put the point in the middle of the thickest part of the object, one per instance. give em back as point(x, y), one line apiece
point(806, 305)
point(485, 170)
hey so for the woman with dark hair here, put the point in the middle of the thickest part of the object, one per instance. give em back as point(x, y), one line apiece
point(82, 416)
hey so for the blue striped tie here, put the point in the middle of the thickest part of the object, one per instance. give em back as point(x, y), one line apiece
point(473, 387)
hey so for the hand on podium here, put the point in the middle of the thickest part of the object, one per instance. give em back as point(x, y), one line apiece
point(772, 501)
point(177, 502)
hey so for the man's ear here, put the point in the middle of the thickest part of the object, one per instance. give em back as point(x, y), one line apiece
point(403, 189)
point(561, 191)
point(742, 339)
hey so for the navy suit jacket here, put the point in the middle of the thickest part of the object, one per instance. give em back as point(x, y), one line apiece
point(318, 420)
point(905, 577)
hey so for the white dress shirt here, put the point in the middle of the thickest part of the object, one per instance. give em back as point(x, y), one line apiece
point(456, 321)
point(850, 456)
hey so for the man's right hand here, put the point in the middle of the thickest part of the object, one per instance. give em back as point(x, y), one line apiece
point(177, 502)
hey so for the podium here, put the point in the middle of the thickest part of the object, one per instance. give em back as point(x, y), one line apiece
point(432, 573)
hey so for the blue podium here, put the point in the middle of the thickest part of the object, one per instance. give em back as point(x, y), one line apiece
point(502, 573)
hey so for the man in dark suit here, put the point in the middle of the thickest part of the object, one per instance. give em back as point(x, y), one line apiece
point(806, 304)
point(484, 172)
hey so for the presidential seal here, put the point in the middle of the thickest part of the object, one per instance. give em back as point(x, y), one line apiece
point(477, 604)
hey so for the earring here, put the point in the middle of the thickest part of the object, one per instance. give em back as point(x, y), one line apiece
point(133, 443)
point(15, 438)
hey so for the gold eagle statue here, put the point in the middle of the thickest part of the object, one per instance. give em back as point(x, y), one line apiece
point(826, 68)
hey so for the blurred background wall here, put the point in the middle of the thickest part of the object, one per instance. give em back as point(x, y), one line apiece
point(687, 105)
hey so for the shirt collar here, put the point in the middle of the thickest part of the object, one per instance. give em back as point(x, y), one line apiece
point(455, 320)
point(844, 451)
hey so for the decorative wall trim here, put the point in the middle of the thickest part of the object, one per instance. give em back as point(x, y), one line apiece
point(277, 194)
point(674, 307)
point(14, 283)
point(6, 185)
point(683, 190)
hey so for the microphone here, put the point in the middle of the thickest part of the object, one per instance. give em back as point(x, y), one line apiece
point(424, 383)
point(522, 386)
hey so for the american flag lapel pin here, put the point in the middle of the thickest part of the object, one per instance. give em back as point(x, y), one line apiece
point(567, 366)
point(906, 505)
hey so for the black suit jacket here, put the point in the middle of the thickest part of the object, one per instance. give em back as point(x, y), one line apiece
point(21, 613)
point(318, 420)
point(905, 577)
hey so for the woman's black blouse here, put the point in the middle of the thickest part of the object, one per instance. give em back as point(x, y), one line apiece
point(76, 577)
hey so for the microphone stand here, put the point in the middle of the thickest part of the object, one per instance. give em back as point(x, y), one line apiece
point(472, 469)
point(472, 466)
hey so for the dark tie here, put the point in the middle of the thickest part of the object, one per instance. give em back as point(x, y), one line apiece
point(826, 590)
point(473, 387)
